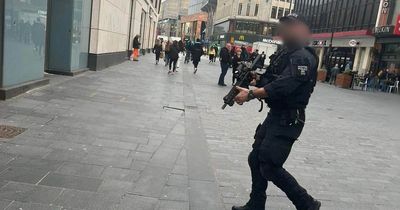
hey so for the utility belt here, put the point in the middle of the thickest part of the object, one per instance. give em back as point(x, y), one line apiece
point(288, 116)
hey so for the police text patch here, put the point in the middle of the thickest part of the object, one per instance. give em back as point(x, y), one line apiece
point(302, 70)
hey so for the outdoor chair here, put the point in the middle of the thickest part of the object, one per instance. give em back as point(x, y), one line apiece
point(363, 85)
point(394, 87)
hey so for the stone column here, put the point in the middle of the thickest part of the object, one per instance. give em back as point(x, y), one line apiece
point(321, 57)
point(356, 64)
point(366, 62)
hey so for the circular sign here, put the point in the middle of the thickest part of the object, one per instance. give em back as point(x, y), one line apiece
point(353, 43)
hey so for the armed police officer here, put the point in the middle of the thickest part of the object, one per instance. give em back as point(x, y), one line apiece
point(286, 88)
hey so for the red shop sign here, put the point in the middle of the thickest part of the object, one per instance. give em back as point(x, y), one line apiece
point(397, 26)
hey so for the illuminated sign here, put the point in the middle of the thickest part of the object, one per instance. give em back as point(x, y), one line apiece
point(319, 43)
point(271, 41)
point(353, 43)
point(385, 6)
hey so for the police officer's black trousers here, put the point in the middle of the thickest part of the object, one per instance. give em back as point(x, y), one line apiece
point(273, 142)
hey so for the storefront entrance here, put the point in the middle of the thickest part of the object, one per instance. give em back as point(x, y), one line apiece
point(341, 56)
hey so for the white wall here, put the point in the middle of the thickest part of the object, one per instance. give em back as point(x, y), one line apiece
point(111, 23)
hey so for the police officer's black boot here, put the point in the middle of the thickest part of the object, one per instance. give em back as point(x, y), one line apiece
point(315, 206)
point(245, 207)
point(251, 206)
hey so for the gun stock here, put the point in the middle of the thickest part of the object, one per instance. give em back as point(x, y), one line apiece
point(244, 73)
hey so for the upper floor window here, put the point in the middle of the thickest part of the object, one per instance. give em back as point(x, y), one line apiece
point(287, 12)
point(240, 9)
point(273, 12)
point(280, 13)
point(256, 10)
point(248, 9)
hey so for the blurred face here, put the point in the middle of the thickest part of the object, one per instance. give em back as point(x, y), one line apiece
point(294, 33)
point(229, 46)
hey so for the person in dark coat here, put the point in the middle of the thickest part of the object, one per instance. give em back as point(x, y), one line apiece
point(181, 46)
point(225, 59)
point(245, 53)
point(167, 50)
point(197, 52)
point(157, 50)
point(173, 57)
point(235, 64)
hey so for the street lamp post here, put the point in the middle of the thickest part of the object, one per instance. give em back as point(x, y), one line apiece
point(330, 49)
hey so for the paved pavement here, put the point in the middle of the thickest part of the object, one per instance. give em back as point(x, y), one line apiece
point(132, 137)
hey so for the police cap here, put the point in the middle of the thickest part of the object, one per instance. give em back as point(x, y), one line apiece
point(292, 18)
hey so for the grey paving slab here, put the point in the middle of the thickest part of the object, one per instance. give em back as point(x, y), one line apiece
point(175, 193)
point(16, 205)
point(5, 158)
point(71, 182)
point(86, 200)
point(4, 203)
point(178, 180)
point(49, 165)
point(165, 157)
point(120, 174)
point(203, 195)
point(80, 169)
point(172, 205)
point(116, 187)
point(120, 162)
point(29, 193)
point(151, 182)
point(23, 174)
point(25, 150)
point(347, 155)
point(138, 202)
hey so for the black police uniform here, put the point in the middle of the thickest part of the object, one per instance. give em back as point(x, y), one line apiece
point(289, 82)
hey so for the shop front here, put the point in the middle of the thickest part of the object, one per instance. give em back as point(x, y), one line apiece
point(239, 38)
point(388, 46)
point(353, 52)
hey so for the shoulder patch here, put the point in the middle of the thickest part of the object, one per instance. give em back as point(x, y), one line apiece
point(302, 70)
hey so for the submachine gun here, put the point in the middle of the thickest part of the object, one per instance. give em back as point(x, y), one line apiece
point(244, 77)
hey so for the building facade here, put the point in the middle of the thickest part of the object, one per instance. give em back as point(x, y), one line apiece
point(68, 37)
point(246, 22)
point(342, 31)
point(387, 33)
point(193, 25)
point(170, 16)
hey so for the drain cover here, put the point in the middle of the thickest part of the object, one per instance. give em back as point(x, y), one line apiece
point(8, 132)
point(174, 108)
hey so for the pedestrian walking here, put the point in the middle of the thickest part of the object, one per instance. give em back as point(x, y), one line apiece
point(188, 48)
point(225, 59)
point(245, 53)
point(136, 47)
point(173, 57)
point(157, 50)
point(287, 95)
point(167, 50)
point(216, 53)
point(197, 52)
point(334, 72)
point(235, 64)
point(211, 54)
